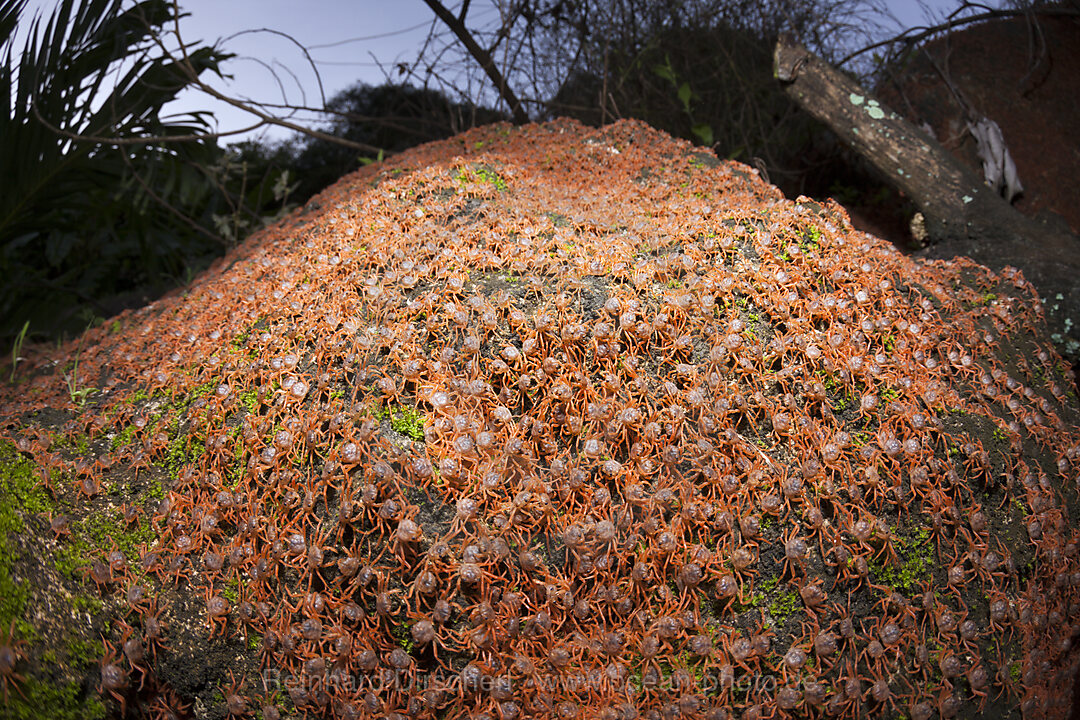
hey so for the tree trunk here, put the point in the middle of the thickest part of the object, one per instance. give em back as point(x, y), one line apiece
point(963, 215)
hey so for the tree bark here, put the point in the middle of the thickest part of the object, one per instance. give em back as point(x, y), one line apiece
point(482, 56)
point(963, 215)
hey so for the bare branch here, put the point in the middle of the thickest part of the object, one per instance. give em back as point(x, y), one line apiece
point(457, 26)
point(184, 62)
point(297, 43)
point(142, 139)
point(915, 35)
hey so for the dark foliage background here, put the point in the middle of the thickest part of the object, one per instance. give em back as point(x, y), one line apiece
point(81, 221)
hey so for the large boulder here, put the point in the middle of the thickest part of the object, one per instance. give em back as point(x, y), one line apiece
point(549, 422)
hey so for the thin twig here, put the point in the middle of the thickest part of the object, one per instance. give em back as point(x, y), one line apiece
point(915, 34)
point(142, 139)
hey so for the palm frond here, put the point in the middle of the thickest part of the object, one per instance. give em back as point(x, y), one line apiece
point(9, 18)
point(91, 68)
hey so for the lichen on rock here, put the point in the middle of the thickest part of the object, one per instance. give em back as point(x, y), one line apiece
point(553, 421)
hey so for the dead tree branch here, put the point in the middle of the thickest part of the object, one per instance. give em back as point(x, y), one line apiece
point(482, 56)
point(964, 215)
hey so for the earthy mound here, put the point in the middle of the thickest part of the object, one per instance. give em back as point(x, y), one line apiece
point(550, 422)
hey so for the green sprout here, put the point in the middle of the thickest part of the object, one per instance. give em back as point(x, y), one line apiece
point(484, 174)
point(368, 160)
point(78, 395)
point(16, 350)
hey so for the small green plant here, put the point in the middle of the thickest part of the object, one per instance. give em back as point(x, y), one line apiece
point(123, 437)
point(16, 350)
point(250, 400)
point(405, 420)
point(482, 173)
point(403, 636)
point(78, 395)
point(784, 606)
point(231, 591)
point(489, 176)
point(368, 161)
point(912, 565)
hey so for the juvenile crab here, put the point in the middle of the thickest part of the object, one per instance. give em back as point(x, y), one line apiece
point(10, 654)
point(114, 678)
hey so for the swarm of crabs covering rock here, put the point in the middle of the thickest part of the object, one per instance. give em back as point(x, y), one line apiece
point(551, 422)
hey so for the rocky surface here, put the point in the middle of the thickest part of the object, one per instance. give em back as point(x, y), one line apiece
point(549, 422)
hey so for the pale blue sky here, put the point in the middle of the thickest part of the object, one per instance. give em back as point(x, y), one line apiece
point(349, 40)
